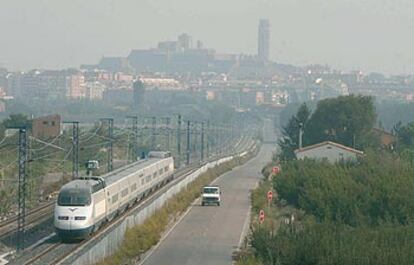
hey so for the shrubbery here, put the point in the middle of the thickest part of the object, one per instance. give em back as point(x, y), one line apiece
point(378, 189)
point(355, 214)
point(328, 243)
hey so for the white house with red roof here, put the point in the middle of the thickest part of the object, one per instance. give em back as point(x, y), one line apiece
point(331, 151)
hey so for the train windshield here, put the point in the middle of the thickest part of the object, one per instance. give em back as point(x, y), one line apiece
point(74, 197)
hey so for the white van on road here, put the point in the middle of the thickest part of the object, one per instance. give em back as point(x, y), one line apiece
point(211, 195)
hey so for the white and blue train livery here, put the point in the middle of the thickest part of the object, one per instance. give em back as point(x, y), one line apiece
point(83, 205)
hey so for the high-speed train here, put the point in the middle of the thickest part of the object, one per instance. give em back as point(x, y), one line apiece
point(83, 205)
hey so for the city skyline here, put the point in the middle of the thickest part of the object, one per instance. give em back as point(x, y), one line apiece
point(366, 35)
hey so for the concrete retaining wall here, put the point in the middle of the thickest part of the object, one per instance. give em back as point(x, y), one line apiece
point(111, 241)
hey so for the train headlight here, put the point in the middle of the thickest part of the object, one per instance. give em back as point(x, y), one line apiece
point(78, 218)
point(63, 217)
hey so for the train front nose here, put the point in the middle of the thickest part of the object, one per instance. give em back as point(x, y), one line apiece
point(72, 223)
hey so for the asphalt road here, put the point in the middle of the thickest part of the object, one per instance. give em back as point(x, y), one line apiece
point(210, 234)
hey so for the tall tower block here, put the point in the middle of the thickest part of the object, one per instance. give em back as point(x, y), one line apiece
point(263, 40)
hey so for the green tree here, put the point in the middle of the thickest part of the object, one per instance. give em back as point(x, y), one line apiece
point(17, 120)
point(290, 133)
point(346, 119)
point(405, 135)
point(139, 92)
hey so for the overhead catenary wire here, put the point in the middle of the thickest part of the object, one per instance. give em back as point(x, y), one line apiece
point(65, 158)
point(9, 165)
point(44, 156)
point(92, 134)
point(46, 144)
point(3, 140)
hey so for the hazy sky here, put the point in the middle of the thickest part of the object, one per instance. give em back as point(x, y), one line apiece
point(373, 35)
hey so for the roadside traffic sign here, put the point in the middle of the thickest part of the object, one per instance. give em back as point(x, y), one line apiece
point(276, 170)
point(261, 216)
point(269, 196)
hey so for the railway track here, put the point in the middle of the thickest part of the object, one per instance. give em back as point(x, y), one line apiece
point(57, 252)
point(33, 217)
point(42, 253)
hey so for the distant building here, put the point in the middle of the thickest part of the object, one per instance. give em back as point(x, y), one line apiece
point(115, 64)
point(46, 127)
point(161, 83)
point(260, 98)
point(148, 60)
point(185, 41)
point(264, 40)
point(121, 77)
point(14, 84)
point(94, 90)
point(169, 47)
point(333, 152)
point(47, 84)
point(200, 45)
point(3, 78)
point(2, 105)
point(75, 86)
point(210, 95)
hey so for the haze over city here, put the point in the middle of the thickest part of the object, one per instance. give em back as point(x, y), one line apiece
point(371, 35)
point(244, 132)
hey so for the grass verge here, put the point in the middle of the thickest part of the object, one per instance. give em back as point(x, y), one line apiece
point(141, 238)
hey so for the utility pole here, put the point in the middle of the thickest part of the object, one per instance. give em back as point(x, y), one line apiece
point(300, 135)
point(188, 142)
point(21, 218)
point(75, 148)
point(208, 139)
point(153, 131)
point(168, 121)
point(22, 188)
point(110, 122)
point(194, 132)
point(179, 140)
point(202, 141)
point(219, 135)
point(136, 136)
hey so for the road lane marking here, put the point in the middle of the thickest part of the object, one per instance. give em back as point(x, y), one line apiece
point(150, 252)
point(195, 202)
point(245, 227)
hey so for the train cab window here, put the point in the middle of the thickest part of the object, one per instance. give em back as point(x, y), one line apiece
point(124, 192)
point(115, 198)
point(97, 187)
point(74, 197)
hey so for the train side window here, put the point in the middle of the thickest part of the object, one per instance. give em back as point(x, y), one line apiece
point(142, 182)
point(148, 178)
point(154, 175)
point(115, 198)
point(141, 175)
point(124, 192)
point(166, 169)
point(134, 187)
point(160, 171)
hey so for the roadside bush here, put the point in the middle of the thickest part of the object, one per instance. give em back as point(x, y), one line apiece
point(376, 190)
point(327, 244)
